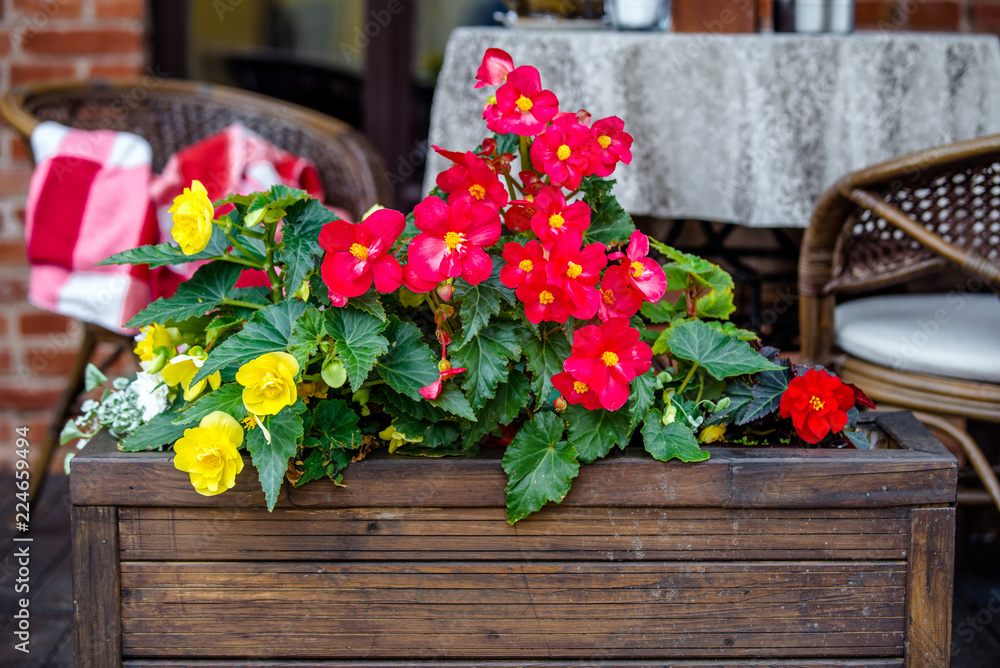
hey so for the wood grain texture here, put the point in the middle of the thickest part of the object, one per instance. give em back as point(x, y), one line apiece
point(96, 588)
point(733, 478)
point(929, 588)
point(601, 534)
point(385, 609)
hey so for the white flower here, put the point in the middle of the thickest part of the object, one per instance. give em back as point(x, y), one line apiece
point(151, 394)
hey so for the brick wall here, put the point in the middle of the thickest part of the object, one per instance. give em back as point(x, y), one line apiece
point(46, 39)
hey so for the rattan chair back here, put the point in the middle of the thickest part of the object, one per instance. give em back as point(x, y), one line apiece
point(173, 114)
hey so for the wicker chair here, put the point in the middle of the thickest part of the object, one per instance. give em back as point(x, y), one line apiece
point(884, 225)
point(173, 114)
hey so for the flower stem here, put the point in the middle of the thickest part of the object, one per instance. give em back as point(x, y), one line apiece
point(270, 244)
point(525, 158)
point(510, 186)
point(239, 260)
point(687, 378)
point(237, 302)
point(238, 246)
point(373, 383)
point(251, 233)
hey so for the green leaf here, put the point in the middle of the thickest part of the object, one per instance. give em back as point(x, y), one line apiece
point(858, 439)
point(206, 290)
point(92, 377)
point(643, 394)
point(540, 466)
point(409, 365)
point(336, 424)
point(720, 355)
point(716, 304)
point(400, 405)
point(595, 189)
point(69, 432)
point(307, 333)
point(267, 332)
point(156, 433)
point(544, 357)
point(732, 331)
point(358, 341)
point(501, 409)
point(160, 255)
point(480, 302)
point(219, 326)
point(740, 395)
point(766, 393)
point(228, 399)
point(672, 441)
point(271, 459)
point(300, 247)
point(317, 465)
point(369, 303)
point(594, 433)
point(609, 223)
point(486, 357)
point(452, 400)
point(665, 311)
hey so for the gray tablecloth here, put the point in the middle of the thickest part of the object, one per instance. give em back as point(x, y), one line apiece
point(739, 128)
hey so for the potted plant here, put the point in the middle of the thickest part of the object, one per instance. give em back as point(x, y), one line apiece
point(512, 310)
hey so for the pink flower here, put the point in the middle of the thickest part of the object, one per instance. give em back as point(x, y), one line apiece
point(606, 357)
point(619, 298)
point(358, 254)
point(473, 180)
point(522, 106)
point(577, 271)
point(614, 145)
point(497, 64)
point(518, 215)
point(542, 301)
point(567, 152)
point(554, 217)
point(432, 391)
point(452, 240)
point(644, 273)
point(522, 263)
point(575, 391)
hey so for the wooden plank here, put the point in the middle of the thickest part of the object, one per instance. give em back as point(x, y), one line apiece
point(929, 588)
point(734, 477)
point(96, 588)
point(903, 427)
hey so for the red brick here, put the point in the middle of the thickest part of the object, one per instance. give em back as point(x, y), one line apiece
point(22, 74)
point(986, 17)
point(13, 290)
point(3, 325)
point(12, 253)
point(935, 16)
point(19, 148)
point(84, 42)
point(49, 9)
point(4, 361)
point(32, 395)
point(47, 361)
point(14, 180)
point(120, 9)
point(4, 42)
point(117, 71)
point(873, 14)
point(42, 322)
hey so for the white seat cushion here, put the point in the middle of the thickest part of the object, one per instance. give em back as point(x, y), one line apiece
point(956, 335)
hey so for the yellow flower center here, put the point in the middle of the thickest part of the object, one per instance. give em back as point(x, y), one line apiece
point(477, 191)
point(637, 269)
point(453, 240)
point(546, 297)
point(359, 251)
point(817, 404)
point(604, 141)
point(524, 104)
point(574, 270)
point(249, 423)
point(210, 457)
point(270, 385)
point(563, 152)
point(556, 221)
point(579, 387)
point(525, 265)
point(609, 358)
point(608, 296)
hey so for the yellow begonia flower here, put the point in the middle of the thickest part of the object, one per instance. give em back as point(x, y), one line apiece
point(269, 383)
point(210, 453)
point(193, 214)
point(151, 337)
point(397, 439)
point(712, 433)
point(182, 369)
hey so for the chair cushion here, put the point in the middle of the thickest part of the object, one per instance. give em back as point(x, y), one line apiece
point(955, 335)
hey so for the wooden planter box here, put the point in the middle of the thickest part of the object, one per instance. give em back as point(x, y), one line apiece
point(757, 557)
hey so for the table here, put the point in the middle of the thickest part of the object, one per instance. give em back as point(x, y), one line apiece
point(746, 129)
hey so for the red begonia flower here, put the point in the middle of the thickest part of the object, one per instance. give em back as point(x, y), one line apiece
point(644, 272)
point(452, 240)
point(518, 215)
point(582, 117)
point(577, 271)
point(358, 254)
point(542, 301)
point(567, 152)
point(522, 263)
point(417, 283)
point(613, 143)
point(818, 403)
point(473, 181)
point(554, 217)
point(606, 357)
point(575, 391)
point(432, 391)
point(531, 183)
point(522, 106)
point(497, 64)
point(619, 298)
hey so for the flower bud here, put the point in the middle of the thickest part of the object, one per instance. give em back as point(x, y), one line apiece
point(333, 373)
point(362, 396)
point(669, 415)
point(723, 404)
point(302, 292)
point(445, 291)
point(161, 355)
point(444, 365)
point(560, 404)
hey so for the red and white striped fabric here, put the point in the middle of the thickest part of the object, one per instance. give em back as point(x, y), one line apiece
point(93, 194)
